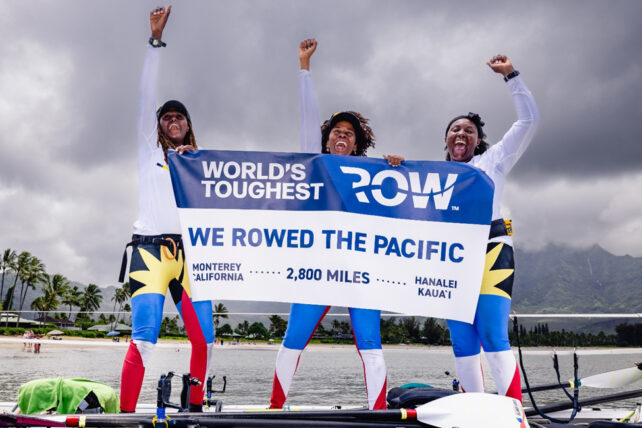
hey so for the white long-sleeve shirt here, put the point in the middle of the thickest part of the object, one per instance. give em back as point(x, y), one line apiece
point(310, 140)
point(500, 158)
point(157, 212)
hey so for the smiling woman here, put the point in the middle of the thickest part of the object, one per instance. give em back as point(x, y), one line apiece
point(465, 143)
point(158, 262)
point(465, 138)
point(345, 133)
point(175, 128)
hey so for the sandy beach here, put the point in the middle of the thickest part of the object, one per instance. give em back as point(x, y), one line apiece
point(18, 341)
point(72, 341)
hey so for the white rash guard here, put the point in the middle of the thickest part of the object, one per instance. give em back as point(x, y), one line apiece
point(500, 158)
point(157, 212)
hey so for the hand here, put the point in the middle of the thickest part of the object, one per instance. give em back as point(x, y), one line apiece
point(306, 49)
point(394, 160)
point(501, 64)
point(181, 149)
point(158, 19)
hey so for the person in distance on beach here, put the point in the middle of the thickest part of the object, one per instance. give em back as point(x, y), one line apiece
point(465, 143)
point(344, 133)
point(158, 261)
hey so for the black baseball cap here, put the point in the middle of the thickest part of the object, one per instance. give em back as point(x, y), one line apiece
point(348, 117)
point(173, 105)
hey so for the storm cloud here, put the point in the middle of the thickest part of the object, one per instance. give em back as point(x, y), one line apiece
point(69, 90)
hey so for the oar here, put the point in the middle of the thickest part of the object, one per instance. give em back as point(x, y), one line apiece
point(588, 402)
point(470, 410)
point(612, 379)
point(261, 423)
point(9, 420)
point(474, 410)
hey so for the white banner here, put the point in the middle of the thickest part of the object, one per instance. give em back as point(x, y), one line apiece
point(389, 260)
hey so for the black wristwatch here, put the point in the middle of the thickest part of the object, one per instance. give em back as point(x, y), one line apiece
point(511, 75)
point(156, 42)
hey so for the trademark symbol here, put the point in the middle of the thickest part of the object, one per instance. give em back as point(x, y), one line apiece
point(454, 208)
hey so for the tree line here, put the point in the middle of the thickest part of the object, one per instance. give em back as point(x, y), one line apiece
point(56, 291)
point(393, 330)
point(540, 335)
point(430, 331)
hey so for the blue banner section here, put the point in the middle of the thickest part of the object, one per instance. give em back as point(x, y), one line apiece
point(449, 192)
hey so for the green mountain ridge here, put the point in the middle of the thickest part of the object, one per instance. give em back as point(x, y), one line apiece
point(563, 280)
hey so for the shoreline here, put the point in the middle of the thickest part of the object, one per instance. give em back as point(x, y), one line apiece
point(75, 342)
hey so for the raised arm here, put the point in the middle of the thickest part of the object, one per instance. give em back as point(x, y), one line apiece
point(310, 139)
point(148, 82)
point(520, 134)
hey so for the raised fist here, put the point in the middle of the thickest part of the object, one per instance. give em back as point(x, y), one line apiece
point(306, 49)
point(158, 19)
point(501, 64)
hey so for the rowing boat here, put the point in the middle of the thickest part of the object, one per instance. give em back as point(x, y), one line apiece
point(439, 408)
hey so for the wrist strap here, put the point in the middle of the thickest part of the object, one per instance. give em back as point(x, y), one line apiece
point(511, 75)
point(156, 42)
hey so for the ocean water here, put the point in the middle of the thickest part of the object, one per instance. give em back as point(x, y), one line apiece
point(326, 375)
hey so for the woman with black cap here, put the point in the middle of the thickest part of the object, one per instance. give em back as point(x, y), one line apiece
point(465, 143)
point(345, 133)
point(158, 262)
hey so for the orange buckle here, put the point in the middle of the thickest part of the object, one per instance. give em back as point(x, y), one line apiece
point(509, 227)
point(166, 251)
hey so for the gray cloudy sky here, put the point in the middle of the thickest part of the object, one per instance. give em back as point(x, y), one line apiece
point(70, 70)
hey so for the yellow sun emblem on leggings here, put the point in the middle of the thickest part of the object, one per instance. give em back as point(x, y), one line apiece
point(494, 277)
point(159, 273)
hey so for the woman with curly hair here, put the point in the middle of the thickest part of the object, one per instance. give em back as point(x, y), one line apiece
point(344, 133)
point(158, 259)
point(465, 143)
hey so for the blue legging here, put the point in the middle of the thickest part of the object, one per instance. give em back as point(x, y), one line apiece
point(152, 273)
point(490, 327)
point(147, 315)
point(305, 318)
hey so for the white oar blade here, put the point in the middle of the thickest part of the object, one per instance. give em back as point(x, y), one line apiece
point(614, 379)
point(473, 410)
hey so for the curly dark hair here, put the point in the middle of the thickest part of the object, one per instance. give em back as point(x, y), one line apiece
point(479, 124)
point(165, 143)
point(365, 136)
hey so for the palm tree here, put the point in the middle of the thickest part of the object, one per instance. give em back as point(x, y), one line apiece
point(90, 298)
point(38, 304)
point(121, 296)
point(243, 328)
point(71, 298)
point(220, 311)
point(127, 308)
point(54, 287)
point(7, 261)
point(33, 273)
point(19, 264)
